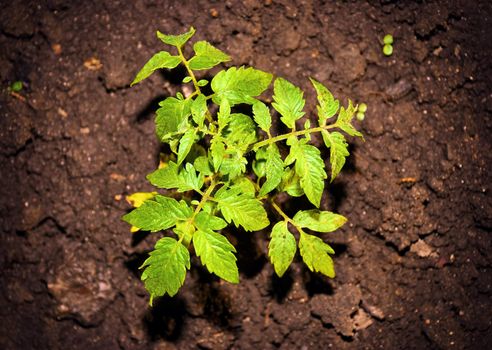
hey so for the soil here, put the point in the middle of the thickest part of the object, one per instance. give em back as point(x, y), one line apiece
point(414, 264)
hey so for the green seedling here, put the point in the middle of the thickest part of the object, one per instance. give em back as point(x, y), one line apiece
point(16, 86)
point(388, 39)
point(361, 111)
point(226, 169)
point(388, 50)
point(388, 45)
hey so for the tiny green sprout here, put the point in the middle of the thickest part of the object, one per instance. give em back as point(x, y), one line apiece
point(360, 116)
point(388, 50)
point(227, 169)
point(388, 39)
point(16, 86)
point(362, 108)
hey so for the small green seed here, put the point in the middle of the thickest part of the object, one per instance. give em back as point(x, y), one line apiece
point(16, 86)
point(362, 108)
point(360, 116)
point(388, 50)
point(388, 39)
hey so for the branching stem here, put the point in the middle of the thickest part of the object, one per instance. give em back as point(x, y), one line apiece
point(294, 133)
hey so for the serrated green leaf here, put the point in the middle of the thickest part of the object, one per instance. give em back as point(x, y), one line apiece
point(262, 117)
point(282, 247)
point(239, 85)
point(233, 164)
point(319, 221)
point(338, 151)
point(224, 114)
point(289, 101)
point(291, 183)
point(176, 40)
point(217, 150)
point(216, 253)
point(242, 209)
point(274, 170)
point(165, 268)
point(170, 177)
point(315, 252)
point(310, 168)
point(344, 120)
point(327, 106)
point(206, 56)
point(185, 144)
point(240, 132)
point(259, 163)
point(158, 215)
point(203, 166)
point(245, 185)
point(205, 221)
point(199, 109)
point(172, 118)
point(160, 60)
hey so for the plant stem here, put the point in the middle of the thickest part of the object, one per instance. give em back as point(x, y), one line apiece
point(282, 214)
point(205, 198)
point(188, 69)
point(293, 133)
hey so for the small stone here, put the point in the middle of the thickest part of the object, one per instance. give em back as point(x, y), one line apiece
point(422, 249)
point(362, 320)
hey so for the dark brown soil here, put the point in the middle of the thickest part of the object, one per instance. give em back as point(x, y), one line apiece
point(414, 263)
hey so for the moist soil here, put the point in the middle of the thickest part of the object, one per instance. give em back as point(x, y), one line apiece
point(414, 263)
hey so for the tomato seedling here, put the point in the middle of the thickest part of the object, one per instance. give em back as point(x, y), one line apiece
point(226, 169)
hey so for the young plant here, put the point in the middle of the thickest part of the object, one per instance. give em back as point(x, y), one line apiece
point(226, 168)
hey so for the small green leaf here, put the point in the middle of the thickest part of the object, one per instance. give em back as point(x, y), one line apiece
point(202, 82)
point(245, 185)
point(216, 253)
point(327, 106)
point(186, 80)
point(274, 169)
point(319, 221)
point(239, 85)
point(205, 221)
point(282, 247)
point(233, 164)
point(240, 132)
point(289, 101)
point(185, 144)
point(172, 118)
point(262, 116)
point(217, 149)
point(315, 252)
point(170, 177)
point(310, 168)
point(203, 166)
point(206, 56)
point(291, 183)
point(160, 60)
point(199, 109)
point(165, 268)
point(338, 151)
point(224, 114)
point(158, 215)
point(344, 120)
point(242, 209)
point(176, 40)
